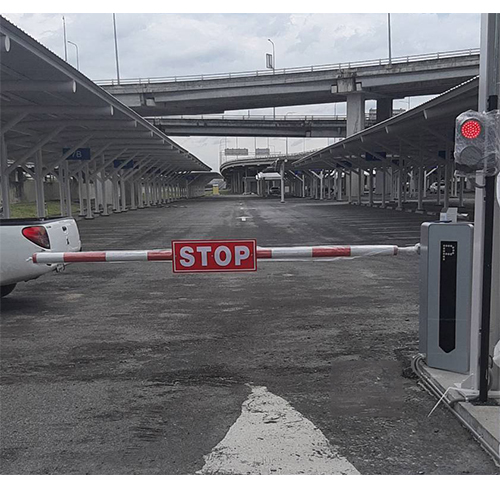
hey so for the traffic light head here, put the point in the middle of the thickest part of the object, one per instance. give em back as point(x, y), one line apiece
point(477, 142)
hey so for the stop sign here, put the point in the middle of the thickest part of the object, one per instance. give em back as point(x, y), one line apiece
point(205, 256)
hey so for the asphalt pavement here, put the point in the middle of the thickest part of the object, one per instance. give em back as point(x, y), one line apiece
point(113, 368)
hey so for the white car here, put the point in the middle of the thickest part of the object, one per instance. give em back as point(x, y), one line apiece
point(21, 238)
point(434, 187)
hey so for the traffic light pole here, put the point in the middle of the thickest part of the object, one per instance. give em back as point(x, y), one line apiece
point(488, 101)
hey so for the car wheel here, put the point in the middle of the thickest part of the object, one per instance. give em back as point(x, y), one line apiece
point(6, 289)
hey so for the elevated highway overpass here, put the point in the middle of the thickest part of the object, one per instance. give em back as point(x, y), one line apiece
point(256, 126)
point(353, 82)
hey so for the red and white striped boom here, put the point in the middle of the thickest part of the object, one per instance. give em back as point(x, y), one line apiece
point(278, 253)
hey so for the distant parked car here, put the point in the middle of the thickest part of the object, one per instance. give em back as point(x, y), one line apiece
point(434, 187)
point(274, 190)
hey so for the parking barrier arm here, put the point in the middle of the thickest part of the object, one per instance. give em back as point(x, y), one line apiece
point(267, 253)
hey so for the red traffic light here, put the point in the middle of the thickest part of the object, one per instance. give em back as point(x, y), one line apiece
point(471, 129)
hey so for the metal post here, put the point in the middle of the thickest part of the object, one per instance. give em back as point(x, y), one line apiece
point(123, 194)
point(438, 199)
point(421, 180)
point(77, 56)
point(321, 188)
point(384, 180)
point(370, 187)
point(89, 215)
point(103, 194)
point(116, 203)
point(97, 191)
point(5, 178)
point(447, 185)
point(62, 185)
point(489, 81)
point(133, 205)
point(39, 186)
point(68, 188)
point(360, 184)
point(400, 187)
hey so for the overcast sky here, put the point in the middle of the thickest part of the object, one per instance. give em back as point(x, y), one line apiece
point(155, 45)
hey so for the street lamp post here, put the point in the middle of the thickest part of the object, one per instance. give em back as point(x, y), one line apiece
point(274, 72)
point(77, 57)
point(116, 50)
point(64, 36)
point(389, 33)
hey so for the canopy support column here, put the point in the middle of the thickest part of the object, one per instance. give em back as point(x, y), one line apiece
point(39, 185)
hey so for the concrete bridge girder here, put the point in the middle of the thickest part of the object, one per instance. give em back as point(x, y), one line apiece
point(400, 80)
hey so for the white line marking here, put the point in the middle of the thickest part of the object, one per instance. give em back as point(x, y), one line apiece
point(271, 437)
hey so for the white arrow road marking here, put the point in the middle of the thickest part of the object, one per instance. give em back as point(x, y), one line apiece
point(271, 437)
point(244, 218)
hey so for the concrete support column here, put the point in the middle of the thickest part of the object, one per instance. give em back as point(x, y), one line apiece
point(39, 187)
point(384, 109)
point(5, 178)
point(355, 123)
point(349, 182)
point(321, 187)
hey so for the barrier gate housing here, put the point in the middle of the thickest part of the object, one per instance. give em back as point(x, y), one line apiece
point(445, 294)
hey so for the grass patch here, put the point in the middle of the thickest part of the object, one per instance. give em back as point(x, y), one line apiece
point(27, 210)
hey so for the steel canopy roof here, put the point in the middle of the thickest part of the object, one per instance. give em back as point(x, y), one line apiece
point(421, 136)
point(47, 102)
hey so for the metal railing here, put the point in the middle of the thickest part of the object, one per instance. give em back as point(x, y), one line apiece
point(295, 70)
point(269, 156)
point(157, 119)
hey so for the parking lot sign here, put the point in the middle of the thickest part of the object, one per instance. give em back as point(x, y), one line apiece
point(81, 154)
point(205, 256)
